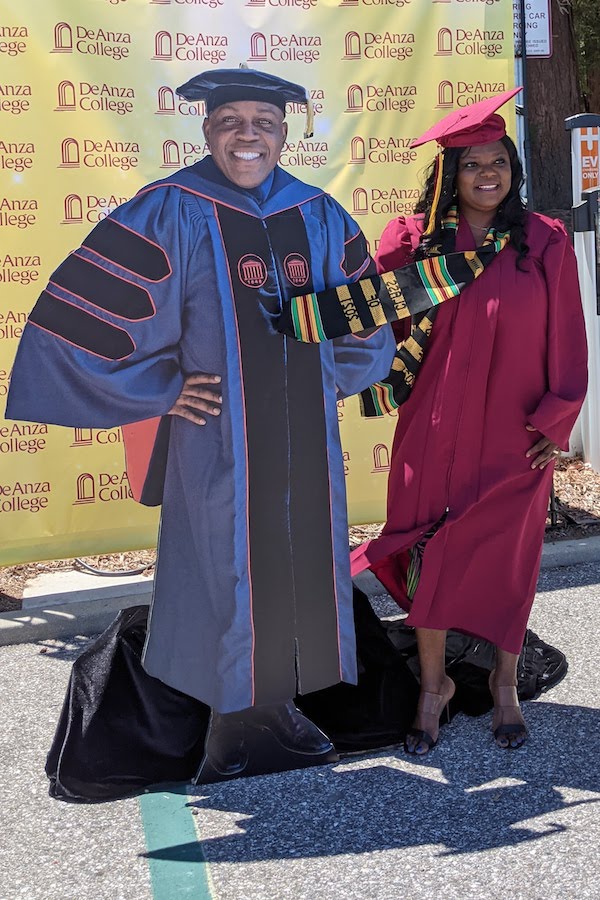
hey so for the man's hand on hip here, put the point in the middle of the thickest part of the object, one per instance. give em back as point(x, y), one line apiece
point(197, 398)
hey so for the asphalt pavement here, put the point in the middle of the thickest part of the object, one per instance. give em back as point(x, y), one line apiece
point(470, 822)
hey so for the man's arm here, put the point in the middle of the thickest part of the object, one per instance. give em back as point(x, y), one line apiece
point(101, 347)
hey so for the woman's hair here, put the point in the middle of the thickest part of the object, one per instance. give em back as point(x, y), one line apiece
point(510, 214)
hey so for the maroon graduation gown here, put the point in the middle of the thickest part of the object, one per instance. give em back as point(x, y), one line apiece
point(510, 350)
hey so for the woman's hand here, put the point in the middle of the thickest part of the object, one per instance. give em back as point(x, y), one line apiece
point(196, 399)
point(546, 451)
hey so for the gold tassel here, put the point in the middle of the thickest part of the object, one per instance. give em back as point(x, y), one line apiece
point(437, 190)
point(310, 119)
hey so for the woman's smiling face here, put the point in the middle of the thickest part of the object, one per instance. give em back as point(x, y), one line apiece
point(483, 179)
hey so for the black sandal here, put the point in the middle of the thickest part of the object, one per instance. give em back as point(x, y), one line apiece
point(433, 705)
point(508, 700)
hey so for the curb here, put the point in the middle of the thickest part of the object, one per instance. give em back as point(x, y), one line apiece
point(65, 604)
point(66, 620)
point(570, 553)
point(68, 603)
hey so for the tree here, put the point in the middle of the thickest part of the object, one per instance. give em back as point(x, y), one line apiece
point(563, 85)
point(586, 18)
point(553, 94)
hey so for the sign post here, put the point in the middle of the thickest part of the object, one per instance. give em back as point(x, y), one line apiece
point(532, 35)
point(537, 16)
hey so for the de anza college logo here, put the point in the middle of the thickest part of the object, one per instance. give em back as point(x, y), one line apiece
point(253, 272)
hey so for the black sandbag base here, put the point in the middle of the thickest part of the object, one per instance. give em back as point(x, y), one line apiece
point(120, 730)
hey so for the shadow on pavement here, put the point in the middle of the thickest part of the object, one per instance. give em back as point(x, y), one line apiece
point(564, 577)
point(453, 800)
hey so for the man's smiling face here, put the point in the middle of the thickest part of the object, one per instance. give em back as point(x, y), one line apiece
point(245, 139)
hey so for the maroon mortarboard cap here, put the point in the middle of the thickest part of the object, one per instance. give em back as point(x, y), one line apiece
point(471, 126)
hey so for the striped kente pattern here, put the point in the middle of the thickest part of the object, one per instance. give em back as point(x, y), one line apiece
point(377, 299)
point(396, 388)
point(415, 564)
point(414, 291)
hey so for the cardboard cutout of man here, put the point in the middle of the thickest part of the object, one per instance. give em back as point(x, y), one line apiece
point(252, 595)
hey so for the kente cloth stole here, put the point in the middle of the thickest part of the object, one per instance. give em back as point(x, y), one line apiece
point(415, 561)
point(416, 290)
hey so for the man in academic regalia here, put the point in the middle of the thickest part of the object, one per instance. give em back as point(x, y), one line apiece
point(252, 594)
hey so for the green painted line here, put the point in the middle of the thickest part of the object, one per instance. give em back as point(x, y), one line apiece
point(178, 867)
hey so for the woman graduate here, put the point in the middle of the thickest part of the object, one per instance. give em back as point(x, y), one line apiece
point(491, 383)
point(501, 378)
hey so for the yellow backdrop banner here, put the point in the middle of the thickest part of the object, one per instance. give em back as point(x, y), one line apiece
point(88, 114)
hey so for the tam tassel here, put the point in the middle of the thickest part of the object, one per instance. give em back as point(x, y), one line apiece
point(437, 190)
point(310, 119)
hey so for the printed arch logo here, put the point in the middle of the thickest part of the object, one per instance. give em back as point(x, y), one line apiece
point(381, 150)
point(168, 104)
point(63, 38)
point(296, 269)
point(85, 437)
point(73, 210)
point(354, 98)
point(399, 201)
point(171, 155)
point(175, 155)
point(93, 154)
point(163, 46)
point(258, 47)
point(190, 46)
point(165, 101)
point(301, 48)
point(445, 95)
point(70, 157)
point(360, 202)
point(82, 437)
point(252, 271)
point(92, 208)
point(396, 98)
point(381, 458)
point(372, 45)
point(91, 41)
point(85, 489)
point(352, 45)
point(90, 97)
point(66, 96)
point(358, 151)
point(466, 93)
point(444, 42)
point(105, 487)
point(470, 42)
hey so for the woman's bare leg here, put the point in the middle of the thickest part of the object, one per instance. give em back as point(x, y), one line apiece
point(436, 688)
point(507, 714)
